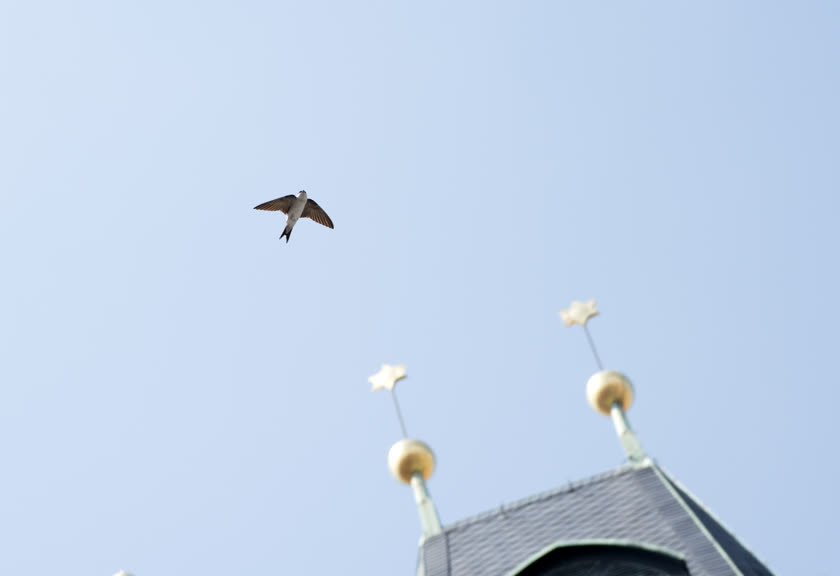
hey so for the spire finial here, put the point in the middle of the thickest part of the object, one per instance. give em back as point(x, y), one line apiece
point(410, 461)
point(580, 313)
point(608, 391)
point(387, 379)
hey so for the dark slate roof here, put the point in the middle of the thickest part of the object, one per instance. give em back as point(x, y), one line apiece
point(639, 504)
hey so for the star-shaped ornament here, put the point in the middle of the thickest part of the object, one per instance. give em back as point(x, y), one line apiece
point(579, 312)
point(387, 377)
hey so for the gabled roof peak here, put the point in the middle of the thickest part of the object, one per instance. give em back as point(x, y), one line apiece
point(635, 504)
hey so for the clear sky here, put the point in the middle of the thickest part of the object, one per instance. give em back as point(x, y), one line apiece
point(182, 393)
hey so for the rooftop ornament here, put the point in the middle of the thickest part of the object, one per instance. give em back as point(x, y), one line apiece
point(410, 461)
point(608, 391)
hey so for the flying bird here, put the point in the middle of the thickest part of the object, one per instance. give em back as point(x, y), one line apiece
point(295, 207)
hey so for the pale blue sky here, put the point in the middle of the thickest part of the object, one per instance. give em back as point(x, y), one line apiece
point(182, 393)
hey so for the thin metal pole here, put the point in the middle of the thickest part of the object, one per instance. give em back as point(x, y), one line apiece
point(399, 413)
point(592, 346)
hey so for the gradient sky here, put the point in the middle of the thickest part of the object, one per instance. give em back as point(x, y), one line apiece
point(181, 393)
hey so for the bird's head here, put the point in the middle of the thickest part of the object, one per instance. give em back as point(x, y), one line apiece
point(301, 193)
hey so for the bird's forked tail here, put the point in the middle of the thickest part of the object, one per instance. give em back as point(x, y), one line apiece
point(287, 233)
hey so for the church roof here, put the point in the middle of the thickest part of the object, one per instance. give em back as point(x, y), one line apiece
point(637, 505)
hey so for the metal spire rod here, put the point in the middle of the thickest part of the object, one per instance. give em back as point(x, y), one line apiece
point(592, 346)
point(399, 413)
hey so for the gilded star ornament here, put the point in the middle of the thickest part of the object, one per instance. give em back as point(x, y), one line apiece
point(387, 377)
point(579, 312)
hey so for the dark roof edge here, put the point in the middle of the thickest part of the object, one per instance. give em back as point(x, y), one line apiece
point(594, 542)
point(667, 481)
point(705, 509)
point(569, 487)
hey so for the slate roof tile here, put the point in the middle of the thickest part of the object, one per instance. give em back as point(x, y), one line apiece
point(632, 503)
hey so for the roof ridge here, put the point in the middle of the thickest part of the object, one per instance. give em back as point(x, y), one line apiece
point(713, 516)
point(571, 486)
point(703, 528)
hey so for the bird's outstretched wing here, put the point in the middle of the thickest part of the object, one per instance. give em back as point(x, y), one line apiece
point(283, 204)
point(315, 212)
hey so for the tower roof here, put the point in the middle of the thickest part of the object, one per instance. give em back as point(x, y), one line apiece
point(635, 505)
